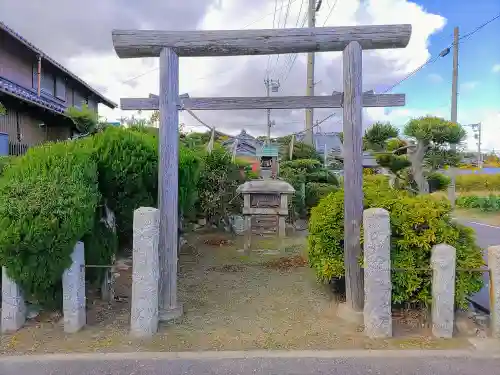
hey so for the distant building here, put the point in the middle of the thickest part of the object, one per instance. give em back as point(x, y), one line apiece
point(331, 142)
point(247, 146)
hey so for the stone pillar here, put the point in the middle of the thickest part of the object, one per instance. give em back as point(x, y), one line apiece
point(282, 218)
point(73, 280)
point(494, 267)
point(145, 276)
point(13, 306)
point(443, 264)
point(377, 273)
point(248, 224)
point(248, 234)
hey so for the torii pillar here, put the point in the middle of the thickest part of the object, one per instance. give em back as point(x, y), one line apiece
point(169, 45)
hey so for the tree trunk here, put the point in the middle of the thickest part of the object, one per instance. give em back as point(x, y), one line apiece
point(416, 156)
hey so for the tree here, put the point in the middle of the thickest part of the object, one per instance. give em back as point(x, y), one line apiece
point(85, 119)
point(426, 150)
point(376, 136)
point(301, 150)
point(3, 110)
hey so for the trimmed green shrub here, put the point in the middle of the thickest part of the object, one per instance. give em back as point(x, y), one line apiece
point(438, 181)
point(128, 173)
point(490, 203)
point(48, 200)
point(417, 224)
point(317, 190)
point(219, 179)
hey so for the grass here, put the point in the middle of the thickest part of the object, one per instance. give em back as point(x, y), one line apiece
point(267, 300)
point(491, 218)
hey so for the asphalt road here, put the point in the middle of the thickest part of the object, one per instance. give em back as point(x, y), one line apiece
point(487, 235)
point(383, 364)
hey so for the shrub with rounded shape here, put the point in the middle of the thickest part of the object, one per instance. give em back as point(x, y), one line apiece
point(48, 200)
point(127, 166)
point(128, 173)
point(417, 224)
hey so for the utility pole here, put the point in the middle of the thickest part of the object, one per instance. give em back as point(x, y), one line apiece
point(477, 135)
point(479, 155)
point(454, 100)
point(310, 73)
point(271, 85)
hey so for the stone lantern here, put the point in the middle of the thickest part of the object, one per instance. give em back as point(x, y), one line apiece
point(265, 207)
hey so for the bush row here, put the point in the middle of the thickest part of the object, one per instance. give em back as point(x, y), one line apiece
point(60, 193)
point(490, 203)
point(417, 224)
point(478, 182)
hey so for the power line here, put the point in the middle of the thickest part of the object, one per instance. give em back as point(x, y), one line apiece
point(331, 11)
point(293, 57)
point(274, 21)
point(480, 27)
point(209, 75)
point(284, 26)
point(444, 52)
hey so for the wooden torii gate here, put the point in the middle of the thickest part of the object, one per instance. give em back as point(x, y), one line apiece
point(170, 45)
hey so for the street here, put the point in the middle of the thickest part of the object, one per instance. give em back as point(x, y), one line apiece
point(486, 235)
point(225, 363)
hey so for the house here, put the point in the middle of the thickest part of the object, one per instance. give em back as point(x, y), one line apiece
point(36, 91)
point(331, 142)
point(247, 146)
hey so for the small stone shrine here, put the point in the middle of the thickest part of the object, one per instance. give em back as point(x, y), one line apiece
point(265, 207)
point(268, 155)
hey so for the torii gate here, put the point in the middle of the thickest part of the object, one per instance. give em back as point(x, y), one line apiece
point(169, 45)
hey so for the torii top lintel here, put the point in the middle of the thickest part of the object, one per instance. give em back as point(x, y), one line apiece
point(149, 43)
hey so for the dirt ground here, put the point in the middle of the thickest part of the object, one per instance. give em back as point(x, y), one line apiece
point(268, 300)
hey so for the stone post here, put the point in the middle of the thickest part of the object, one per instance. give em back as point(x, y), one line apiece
point(73, 280)
point(494, 267)
point(13, 306)
point(282, 218)
point(443, 263)
point(377, 274)
point(145, 276)
point(248, 225)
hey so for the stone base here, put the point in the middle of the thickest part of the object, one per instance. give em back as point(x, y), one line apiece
point(345, 312)
point(171, 314)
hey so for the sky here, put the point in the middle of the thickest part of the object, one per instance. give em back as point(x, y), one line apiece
point(78, 35)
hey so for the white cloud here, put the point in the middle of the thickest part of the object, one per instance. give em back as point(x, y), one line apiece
point(468, 86)
point(434, 78)
point(241, 76)
point(496, 68)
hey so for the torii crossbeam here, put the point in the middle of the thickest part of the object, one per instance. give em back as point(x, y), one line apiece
point(169, 45)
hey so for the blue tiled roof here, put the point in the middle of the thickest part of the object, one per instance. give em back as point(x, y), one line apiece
point(30, 95)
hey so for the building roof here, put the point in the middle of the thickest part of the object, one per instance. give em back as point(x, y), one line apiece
point(30, 95)
point(30, 46)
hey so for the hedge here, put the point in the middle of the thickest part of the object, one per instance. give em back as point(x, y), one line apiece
point(478, 182)
point(417, 223)
point(48, 199)
point(57, 194)
point(490, 203)
point(128, 177)
point(317, 190)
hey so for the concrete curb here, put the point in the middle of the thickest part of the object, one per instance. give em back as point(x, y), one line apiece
point(320, 354)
